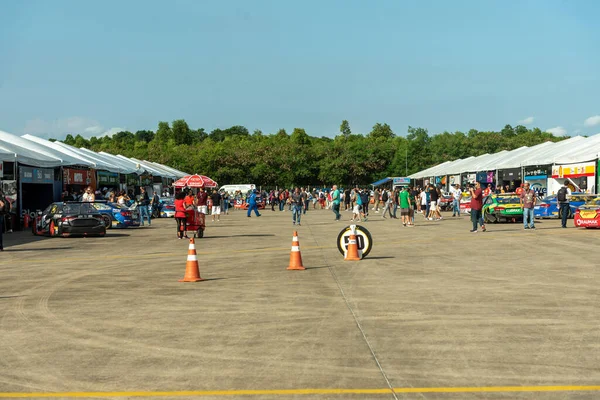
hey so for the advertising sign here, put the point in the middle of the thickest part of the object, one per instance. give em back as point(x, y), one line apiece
point(80, 177)
point(537, 172)
point(146, 180)
point(573, 170)
point(108, 178)
point(36, 175)
point(401, 181)
point(364, 240)
point(510, 174)
point(485, 177)
point(132, 180)
point(455, 180)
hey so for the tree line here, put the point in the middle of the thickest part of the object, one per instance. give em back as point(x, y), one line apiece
point(235, 155)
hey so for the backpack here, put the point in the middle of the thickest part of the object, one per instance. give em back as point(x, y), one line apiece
point(562, 194)
point(384, 197)
point(6, 208)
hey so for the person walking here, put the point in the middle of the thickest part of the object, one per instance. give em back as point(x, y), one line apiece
point(335, 202)
point(215, 198)
point(528, 200)
point(563, 196)
point(252, 204)
point(456, 195)
point(405, 206)
point(143, 206)
point(297, 202)
point(4, 210)
point(476, 206)
point(180, 214)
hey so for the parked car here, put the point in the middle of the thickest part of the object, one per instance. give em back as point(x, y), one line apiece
point(446, 202)
point(587, 215)
point(502, 207)
point(548, 207)
point(69, 219)
point(167, 207)
point(115, 215)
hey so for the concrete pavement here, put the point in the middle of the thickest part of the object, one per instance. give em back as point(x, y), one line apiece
point(431, 307)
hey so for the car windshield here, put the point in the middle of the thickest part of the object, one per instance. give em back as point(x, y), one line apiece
point(508, 199)
point(592, 201)
point(79, 208)
point(167, 200)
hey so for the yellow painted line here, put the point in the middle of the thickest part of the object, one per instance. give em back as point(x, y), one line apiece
point(201, 393)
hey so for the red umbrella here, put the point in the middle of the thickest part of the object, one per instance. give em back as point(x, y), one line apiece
point(195, 181)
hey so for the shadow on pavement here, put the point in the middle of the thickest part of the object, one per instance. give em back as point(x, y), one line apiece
point(41, 249)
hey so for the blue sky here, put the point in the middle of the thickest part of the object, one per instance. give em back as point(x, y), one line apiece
point(97, 67)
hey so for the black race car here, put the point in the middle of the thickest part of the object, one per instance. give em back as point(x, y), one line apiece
point(69, 219)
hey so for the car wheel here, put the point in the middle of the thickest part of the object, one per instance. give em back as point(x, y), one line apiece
point(200, 233)
point(107, 220)
point(52, 228)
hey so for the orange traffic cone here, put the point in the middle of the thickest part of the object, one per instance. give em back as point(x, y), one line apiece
point(192, 269)
point(295, 256)
point(351, 253)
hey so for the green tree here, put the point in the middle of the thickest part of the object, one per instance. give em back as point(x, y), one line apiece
point(144, 136)
point(381, 131)
point(345, 129)
point(164, 132)
point(181, 132)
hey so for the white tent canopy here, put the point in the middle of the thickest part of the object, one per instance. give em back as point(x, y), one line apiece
point(10, 151)
point(42, 150)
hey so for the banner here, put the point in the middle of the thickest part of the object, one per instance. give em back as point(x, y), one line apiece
point(108, 178)
point(80, 177)
point(537, 172)
point(132, 180)
point(510, 174)
point(573, 170)
point(455, 180)
point(401, 181)
point(36, 175)
point(485, 177)
point(146, 180)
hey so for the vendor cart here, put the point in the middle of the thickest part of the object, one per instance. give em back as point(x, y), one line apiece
point(195, 222)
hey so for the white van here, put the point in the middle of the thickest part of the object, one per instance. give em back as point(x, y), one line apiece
point(231, 189)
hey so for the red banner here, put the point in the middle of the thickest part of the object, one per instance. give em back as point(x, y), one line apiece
point(80, 177)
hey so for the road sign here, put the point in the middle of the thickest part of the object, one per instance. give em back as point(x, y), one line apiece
point(364, 240)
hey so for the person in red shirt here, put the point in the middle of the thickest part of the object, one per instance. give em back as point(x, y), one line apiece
point(202, 200)
point(180, 216)
point(519, 190)
point(488, 190)
point(476, 206)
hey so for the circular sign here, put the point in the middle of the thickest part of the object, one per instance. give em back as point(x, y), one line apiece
point(364, 240)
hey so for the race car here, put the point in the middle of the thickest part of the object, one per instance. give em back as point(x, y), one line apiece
point(465, 204)
point(167, 207)
point(115, 215)
point(446, 202)
point(548, 207)
point(69, 219)
point(502, 207)
point(588, 214)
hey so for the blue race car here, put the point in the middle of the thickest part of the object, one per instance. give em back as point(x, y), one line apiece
point(548, 207)
point(115, 215)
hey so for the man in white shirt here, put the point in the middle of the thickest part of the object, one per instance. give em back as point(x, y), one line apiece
point(456, 195)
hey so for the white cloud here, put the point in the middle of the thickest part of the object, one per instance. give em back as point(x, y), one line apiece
point(557, 131)
point(527, 121)
point(60, 128)
point(592, 121)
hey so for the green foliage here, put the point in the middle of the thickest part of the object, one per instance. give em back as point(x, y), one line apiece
point(234, 155)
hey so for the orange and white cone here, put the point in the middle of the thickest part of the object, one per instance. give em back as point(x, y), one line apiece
point(295, 256)
point(351, 253)
point(192, 269)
